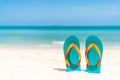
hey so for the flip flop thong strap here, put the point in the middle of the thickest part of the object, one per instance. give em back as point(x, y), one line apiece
point(92, 45)
point(72, 45)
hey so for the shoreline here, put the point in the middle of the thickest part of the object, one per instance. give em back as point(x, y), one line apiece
point(55, 45)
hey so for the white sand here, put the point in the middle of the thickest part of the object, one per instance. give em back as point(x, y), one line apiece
point(46, 62)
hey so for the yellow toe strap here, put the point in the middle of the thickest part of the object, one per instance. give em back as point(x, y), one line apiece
point(92, 45)
point(67, 52)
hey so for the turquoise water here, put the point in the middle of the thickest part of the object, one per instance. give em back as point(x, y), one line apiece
point(47, 35)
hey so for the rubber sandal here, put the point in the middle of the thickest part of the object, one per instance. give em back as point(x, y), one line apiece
point(72, 54)
point(93, 54)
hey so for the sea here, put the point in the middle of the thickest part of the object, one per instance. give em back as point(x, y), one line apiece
point(37, 35)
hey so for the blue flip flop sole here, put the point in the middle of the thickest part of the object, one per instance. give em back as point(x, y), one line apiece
point(72, 56)
point(92, 55)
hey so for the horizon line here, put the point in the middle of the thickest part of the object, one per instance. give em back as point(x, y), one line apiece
point(59, 27)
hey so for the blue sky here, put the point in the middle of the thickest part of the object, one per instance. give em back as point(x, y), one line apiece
point(59, 12)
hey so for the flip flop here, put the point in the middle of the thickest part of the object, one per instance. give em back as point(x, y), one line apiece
point(93, 54)
point(72, 54)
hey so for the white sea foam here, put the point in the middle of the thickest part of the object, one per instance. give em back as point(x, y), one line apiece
point(58, 42)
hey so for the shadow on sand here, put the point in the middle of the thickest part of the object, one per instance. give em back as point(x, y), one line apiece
point(63, 69)
point(59, 69)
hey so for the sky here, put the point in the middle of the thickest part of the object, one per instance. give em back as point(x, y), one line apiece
point(59, 12)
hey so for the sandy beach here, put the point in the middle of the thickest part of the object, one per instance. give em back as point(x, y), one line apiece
point(46, 62)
